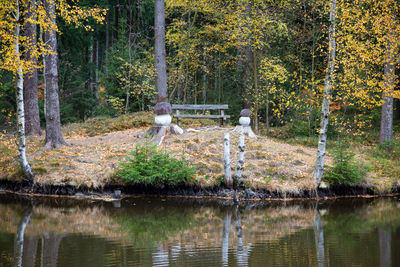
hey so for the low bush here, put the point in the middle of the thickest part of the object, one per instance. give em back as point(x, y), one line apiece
point(346, 170)
point(147, 165)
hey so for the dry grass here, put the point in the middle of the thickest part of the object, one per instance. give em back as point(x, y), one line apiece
point(97, 146)
point(268, 164)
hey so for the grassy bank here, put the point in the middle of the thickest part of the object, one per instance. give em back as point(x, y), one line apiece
point(98, 146)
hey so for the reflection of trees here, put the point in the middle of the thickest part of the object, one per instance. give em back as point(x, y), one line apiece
point(30, 250)
point(51, 244)
point(385, 249)
point(25, 247)
point(160, 257)
point(319, 238)
point(19, 237)
point(225, 238)
point(242, 251)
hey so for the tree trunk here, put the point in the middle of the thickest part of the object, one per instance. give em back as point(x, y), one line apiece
point(26, 168)
point(159, 48)
point(54, 136)
point(386, 130)
point(31, 104)
point(319, 163)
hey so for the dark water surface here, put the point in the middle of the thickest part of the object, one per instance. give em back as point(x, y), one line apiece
point(159, 232)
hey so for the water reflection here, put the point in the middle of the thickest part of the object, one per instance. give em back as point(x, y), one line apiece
point(319, 238)
point(150, 232)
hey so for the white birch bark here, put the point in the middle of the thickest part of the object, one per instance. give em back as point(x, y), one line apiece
point(240, 164)
point(227, 163)
point(23, 161)
point(319, 163)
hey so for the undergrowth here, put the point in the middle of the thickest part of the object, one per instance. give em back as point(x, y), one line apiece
point(345, 170)
point(147, 165)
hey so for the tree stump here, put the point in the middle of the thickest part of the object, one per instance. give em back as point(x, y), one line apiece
point(245, 130)
point(158, 133)
point(244, 127)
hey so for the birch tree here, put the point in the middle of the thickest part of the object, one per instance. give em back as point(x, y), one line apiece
point(11, 14)
point(319, 163)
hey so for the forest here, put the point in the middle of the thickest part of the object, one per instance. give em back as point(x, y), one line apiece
point(293, 64)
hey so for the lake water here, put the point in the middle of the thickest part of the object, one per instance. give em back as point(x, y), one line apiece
point(171, 232)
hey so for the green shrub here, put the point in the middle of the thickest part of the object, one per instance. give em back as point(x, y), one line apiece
point(346, 170)
point(147, 165)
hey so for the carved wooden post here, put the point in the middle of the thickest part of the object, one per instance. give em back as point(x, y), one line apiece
point(227, 163)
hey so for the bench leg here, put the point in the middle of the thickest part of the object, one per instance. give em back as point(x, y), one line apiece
point(179, 122)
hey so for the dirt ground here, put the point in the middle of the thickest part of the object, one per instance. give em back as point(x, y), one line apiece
point(92, 161)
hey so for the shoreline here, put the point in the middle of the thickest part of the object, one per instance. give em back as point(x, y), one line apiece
point(107, 193)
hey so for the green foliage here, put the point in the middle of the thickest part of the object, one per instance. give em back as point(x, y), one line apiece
point(346, 170)
point(7, 101)
point(147, 165)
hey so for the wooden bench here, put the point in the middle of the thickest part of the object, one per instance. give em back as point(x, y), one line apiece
point(180, 116)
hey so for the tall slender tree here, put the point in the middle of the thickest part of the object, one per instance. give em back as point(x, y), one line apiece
point(31, 104)
point(159, 48)
point(54, 136)
point(386, 130)
point(11, 14)
point(319, 163)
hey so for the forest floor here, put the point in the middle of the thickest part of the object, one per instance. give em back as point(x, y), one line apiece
point(97, 146)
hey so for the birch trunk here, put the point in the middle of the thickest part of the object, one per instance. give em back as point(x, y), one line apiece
point(319, 163)
point(159, 49)
point(54, 136)
point(386, 130)
point(227, 163)
point(240, 164)
point(31, 104)
point(26, 168)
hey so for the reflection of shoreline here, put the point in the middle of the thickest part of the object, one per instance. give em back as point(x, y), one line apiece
point(102, 219)
point(165, 230)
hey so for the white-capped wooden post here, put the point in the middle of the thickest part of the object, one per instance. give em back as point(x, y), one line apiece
point(227, 163)
point(240, 164)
